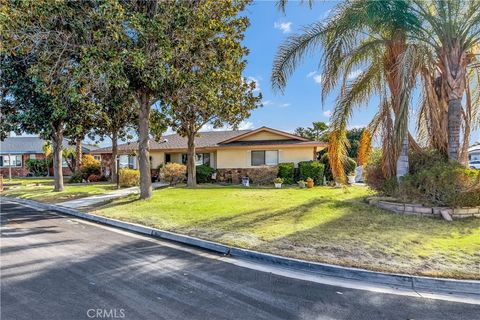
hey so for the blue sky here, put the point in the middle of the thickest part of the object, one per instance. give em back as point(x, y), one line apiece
point(300, 104)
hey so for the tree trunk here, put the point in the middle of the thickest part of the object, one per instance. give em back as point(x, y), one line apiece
point(143, 148)
point(402, 161)
point(57, 147)
point(191, 169)
point(78, 153)
point(113, 161)
point(454, 127)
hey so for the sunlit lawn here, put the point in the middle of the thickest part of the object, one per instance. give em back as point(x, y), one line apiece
point(321, 224)
point(40, 189)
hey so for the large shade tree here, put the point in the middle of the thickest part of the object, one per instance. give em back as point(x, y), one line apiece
point(207, 86)
point(47, 41)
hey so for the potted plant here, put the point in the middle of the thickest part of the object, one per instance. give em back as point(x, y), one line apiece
point(278, 182)
point(351, 177)
point(309, 183)
point(301, 184)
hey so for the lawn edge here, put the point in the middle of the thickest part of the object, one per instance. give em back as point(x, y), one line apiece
point(422, 283)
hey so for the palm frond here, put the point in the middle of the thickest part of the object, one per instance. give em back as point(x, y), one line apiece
point(292, 51)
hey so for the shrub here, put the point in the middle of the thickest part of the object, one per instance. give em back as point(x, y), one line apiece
point(38, 167)
point(174, 173)
point(311, 169)
point(348, 167)
point(443, 184)
point(93, 178)
point(286, 171)
point(432, 180)
point(76, 177)
point(425, 159)
point(89, 160)
point(204, 173)
point(129, 177)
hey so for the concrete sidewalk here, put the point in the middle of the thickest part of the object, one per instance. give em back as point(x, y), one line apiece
point(93, 200)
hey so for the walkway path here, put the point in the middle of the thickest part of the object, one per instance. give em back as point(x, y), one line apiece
point(92, 200)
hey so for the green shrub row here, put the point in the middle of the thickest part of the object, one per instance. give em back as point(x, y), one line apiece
point(128, 177)
point(311, 169)
point(286, 171)
point(349, 166)
point(38, 167)
point(204, 173)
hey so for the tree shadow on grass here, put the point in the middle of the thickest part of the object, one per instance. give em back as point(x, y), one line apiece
point(151, 280)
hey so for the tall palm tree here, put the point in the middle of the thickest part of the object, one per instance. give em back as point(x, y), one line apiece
point(363, 35)
point(451, 29)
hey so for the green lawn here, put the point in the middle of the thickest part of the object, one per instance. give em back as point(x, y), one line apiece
point(40, 189)
point(321, 224)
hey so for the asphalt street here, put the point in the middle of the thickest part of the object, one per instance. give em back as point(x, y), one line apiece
point(58, 267)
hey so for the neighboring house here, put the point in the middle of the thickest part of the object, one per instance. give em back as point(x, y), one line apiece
point(15, 151)
point(253, 153)
point(474, 152)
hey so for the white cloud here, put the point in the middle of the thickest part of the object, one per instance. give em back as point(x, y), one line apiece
point(244, 125)
point(327, 113)
point(318, 78)
point(354, 74)
point(311, 74)
point(286, 27)
point(275, 104)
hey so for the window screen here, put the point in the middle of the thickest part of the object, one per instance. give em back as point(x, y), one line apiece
point(258, 158)
point(271, 157)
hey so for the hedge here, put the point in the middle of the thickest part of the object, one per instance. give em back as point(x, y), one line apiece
point(286, 171)
point(38, 167)
point(129, 177)
point(311, 169)
point(204, 173)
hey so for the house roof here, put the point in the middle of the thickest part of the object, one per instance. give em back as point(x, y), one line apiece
point(215, 140)
point(263, 129)
point(22, 145)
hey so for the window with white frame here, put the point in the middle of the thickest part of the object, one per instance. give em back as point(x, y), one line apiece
point(264, 157)
point(33, 156)
point(128, 161)
point(97, 157)
point(11, 161)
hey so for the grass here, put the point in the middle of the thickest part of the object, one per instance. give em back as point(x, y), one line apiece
point(40, 189)
point(321, 224)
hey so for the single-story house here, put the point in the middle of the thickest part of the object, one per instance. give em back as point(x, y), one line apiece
point(474, 152)
point(15, 151)
point(234, 153)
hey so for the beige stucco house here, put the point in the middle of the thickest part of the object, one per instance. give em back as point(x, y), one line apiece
point(233, 153)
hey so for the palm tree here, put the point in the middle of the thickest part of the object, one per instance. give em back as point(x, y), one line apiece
point(360, 34)
point(451, 29)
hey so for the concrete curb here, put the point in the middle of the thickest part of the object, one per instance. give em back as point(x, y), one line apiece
point(398, 280)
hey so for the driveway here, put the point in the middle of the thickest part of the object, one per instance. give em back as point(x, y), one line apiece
point(58, 267)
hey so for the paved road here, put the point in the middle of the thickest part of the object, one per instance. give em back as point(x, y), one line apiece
point(56, 267)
